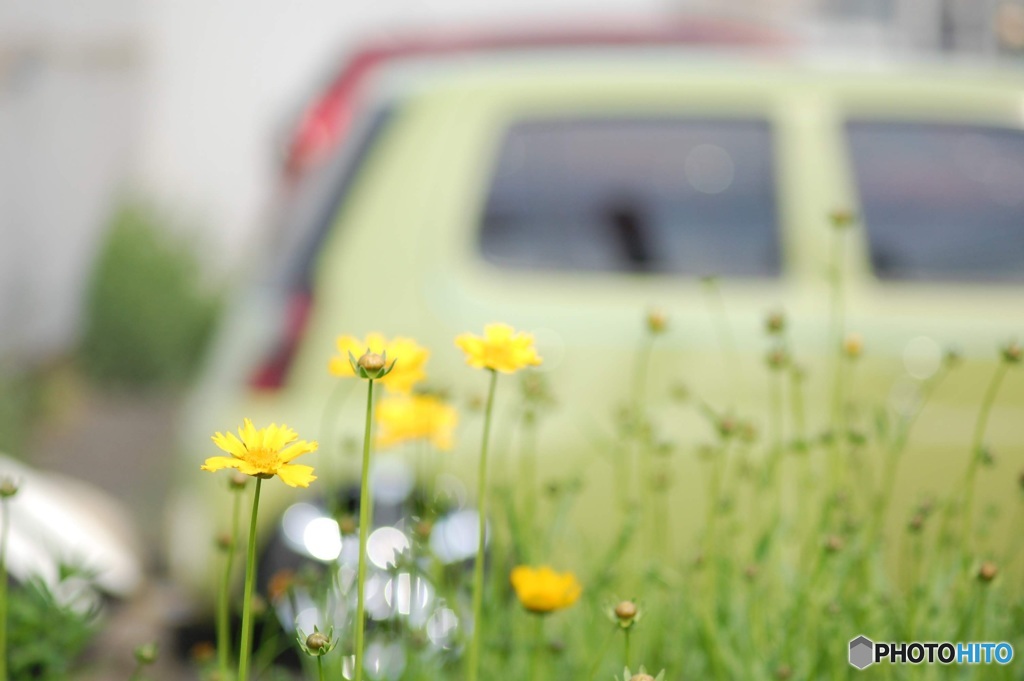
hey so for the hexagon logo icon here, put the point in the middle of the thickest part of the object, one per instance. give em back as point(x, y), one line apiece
point(861, 652)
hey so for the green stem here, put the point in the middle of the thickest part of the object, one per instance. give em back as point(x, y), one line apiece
point(3, 587)
point(224, 601)
point(245, 642)
point(528, 472)
point(720, 318)
point(838, 326)
point(626, 653)
point(320, 666)
point(365, 509)
point(895, 452)
point(538, 648)
point(473, 659)
point(977, 441)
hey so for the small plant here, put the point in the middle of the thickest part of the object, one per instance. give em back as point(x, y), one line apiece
point(147, 316)
point(46, 636)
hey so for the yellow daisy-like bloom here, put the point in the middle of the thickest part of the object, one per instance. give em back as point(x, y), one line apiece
point(264, 453)
point(501, 348)
point(408, 369)
point(542, 590)
point(416, 417)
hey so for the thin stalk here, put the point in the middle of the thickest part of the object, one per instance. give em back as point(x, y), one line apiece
point(528, 470)
point(538, 648)
point(365, 509)
point(775, 386)
point(895, 453)
point(224, 600)
point(626, 652)
point(473, 659)
point(716, 308)
point(796, 393)
point(245, 643)
point(838, 326)
point(4, 531)
point(977, 441)
point(320, 667)
point(329, 471)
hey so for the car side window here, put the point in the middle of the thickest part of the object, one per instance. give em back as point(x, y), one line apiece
point(677, 196)
point(941, 202)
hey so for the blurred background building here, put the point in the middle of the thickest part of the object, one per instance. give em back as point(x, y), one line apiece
point(186, 103)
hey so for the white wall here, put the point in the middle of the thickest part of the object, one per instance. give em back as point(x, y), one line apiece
point(70, 80)
point(225, 77)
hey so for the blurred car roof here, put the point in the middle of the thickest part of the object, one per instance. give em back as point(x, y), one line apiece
point(324, 121)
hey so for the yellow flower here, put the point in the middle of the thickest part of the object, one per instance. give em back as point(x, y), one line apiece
point(542, 590)
point(501, 349)
point(264, 453)
point(416, 417)
point(408, 368)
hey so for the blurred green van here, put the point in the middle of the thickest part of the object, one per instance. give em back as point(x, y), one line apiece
point(567, 192)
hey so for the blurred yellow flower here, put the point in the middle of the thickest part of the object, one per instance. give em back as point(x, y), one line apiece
point(264, 453)
point(542, 590)
point(501, 348)
point(416, 417)
point(408, 369)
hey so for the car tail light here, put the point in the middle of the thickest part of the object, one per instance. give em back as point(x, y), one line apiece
point(272, 373)
point(327, 119)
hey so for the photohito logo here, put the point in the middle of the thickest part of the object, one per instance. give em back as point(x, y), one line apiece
point(865, 652)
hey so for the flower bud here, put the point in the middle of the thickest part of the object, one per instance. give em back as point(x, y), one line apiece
point(423, 529)
point(1012, 352)
point(8, 488)
point(280, 583)
point(775, 323)
point(641, 677)
point(347, 524)
point(987, 572)
point(834, 543)
point(203, 651)
point(784, 673)
point(146, 654)
point(916, 523)
point(853, 345)
point(224, 541)
point(371, 362)
point(657, 322)
point(237, 481)
point(842, 218)
point(626, 611)
point(317, 641)
point(777, 358)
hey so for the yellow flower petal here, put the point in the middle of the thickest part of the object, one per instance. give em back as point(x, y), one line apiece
point(229, 443)
point(542, 590)
point(298, 449)
point(296, 475)
point(216, 463)
point(409, 359)
point(417, 417)
point(500, 349)
point(264, 452)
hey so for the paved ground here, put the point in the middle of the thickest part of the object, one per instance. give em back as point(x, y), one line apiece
point(123, 445)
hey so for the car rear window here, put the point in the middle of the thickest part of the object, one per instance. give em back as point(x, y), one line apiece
point(941, 202)
point(680, 196)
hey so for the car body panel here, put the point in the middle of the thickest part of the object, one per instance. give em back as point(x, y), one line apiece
point(403, 259)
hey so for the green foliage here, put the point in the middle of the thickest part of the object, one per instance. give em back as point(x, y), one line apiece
point(45, 637)
point(22, 402)
point(147, 314)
